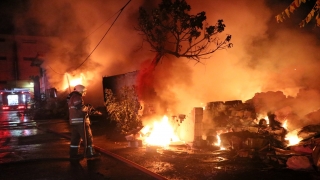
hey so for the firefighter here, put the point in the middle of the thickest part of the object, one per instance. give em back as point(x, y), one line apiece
point(80, 124)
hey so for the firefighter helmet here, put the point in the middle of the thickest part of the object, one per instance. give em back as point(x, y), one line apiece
point(80, 88)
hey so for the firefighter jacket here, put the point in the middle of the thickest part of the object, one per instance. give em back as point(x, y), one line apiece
point(78, 112)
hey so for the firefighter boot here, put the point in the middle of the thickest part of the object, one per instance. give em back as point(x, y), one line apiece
point(90, 153)
point(74, 153)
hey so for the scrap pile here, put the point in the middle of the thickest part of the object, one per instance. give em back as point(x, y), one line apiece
point(257, 127)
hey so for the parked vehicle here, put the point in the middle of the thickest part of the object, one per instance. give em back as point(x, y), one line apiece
point(15, 99)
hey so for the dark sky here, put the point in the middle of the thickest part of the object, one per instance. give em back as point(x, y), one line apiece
point(8, 10)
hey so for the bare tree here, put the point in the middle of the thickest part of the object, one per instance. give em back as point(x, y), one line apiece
point(170, 29)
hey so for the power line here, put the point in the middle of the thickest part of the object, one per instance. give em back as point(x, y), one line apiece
point(120, 11)
point(103, 35)
point(85, 39)
point(96, 29)
point(54, 70)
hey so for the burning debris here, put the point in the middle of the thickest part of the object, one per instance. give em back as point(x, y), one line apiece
point(248, 131)
point(160, 134)
point(244, 130)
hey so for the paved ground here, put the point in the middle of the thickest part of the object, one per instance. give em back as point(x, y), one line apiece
point(35, 153)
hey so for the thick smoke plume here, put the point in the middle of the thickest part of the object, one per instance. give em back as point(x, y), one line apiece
point(266, 56)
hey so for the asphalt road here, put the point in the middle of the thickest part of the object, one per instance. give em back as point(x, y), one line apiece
point(29, 151)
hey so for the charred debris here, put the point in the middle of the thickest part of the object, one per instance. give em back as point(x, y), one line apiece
point(248, 130)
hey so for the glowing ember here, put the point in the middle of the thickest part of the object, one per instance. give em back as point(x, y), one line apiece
point(293, 138)
point(161, 133)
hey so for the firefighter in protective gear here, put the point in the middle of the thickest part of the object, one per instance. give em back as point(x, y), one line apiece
point(80, 123)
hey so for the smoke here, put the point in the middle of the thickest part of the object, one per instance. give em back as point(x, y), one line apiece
point(266, 56)
point(90, 38)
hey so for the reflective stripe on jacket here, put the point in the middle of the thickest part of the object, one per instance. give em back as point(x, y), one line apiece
point(77, 109)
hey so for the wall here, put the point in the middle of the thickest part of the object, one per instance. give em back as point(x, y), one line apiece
point(116, 82)
point(20, 59)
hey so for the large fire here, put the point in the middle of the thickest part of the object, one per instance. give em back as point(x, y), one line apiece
point(291, 136)
point(73, 80)
point(160, 133)
point(218, 143)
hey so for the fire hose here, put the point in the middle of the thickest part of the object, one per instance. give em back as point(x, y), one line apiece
point(85, 130)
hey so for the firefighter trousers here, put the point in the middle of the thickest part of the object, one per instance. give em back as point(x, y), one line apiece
point(78, 133)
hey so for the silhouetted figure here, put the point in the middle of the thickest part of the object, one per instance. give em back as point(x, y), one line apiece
point(273, 123)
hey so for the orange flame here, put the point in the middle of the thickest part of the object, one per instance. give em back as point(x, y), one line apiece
point(160, 134)
point(73, 80)
point(285, 124)
point(218, 143)
point(293, 138)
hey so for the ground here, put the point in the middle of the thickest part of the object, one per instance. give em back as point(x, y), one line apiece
point(186, 162)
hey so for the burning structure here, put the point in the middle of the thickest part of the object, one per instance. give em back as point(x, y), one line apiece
point(271, 113)
point(266, 123)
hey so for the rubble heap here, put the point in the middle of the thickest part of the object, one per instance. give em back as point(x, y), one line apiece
point(258, 125)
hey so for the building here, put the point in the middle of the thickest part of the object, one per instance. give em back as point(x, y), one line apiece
point(20, 64)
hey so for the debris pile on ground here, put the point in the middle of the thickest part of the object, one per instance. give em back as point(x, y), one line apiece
point(256, 128)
